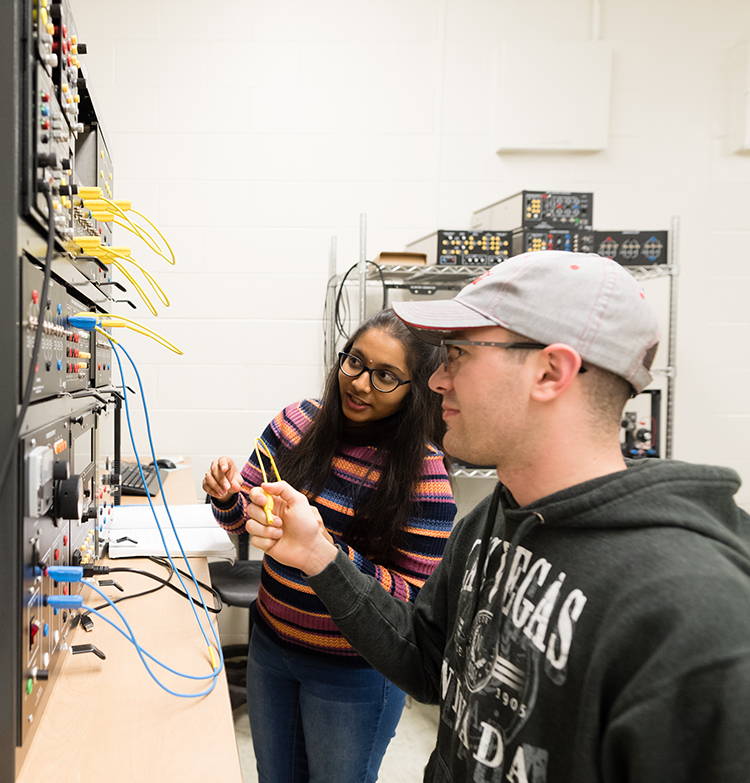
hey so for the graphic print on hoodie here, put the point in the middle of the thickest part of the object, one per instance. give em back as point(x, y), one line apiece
point(523, 625)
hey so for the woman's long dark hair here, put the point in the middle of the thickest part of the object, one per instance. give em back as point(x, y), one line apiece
point(376, 528)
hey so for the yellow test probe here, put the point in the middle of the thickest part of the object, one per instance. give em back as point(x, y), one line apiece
point(107, 210)
point(115, 256)
point(98, 322)
point(268, 505)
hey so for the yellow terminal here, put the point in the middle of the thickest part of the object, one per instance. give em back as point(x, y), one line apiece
point(89, 192)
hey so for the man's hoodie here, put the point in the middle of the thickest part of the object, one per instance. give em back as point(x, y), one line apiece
point(599, 634)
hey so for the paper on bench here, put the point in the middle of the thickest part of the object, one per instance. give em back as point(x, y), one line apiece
point(199, 532)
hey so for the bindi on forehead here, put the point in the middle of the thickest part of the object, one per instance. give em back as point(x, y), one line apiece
point(380, 365)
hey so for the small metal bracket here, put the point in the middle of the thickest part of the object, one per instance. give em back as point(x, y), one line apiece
point(79, 649)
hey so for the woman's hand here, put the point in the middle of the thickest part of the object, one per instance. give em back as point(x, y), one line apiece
point(297, 537)
point(222, 479)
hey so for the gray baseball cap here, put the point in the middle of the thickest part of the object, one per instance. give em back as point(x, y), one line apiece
point(583, 300)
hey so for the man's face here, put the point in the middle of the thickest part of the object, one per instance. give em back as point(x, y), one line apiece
point(485, 400)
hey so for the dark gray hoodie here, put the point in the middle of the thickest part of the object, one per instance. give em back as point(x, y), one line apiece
point(599, 634)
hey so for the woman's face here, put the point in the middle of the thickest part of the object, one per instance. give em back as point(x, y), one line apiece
point(361, 402)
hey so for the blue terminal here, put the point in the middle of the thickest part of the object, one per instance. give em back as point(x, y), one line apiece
point(88, 322)
point(65, 573)
point(64, 601)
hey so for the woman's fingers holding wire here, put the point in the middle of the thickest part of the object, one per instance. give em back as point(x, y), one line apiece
point(223, 479)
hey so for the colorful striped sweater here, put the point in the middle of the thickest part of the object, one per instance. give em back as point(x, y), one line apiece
point(287, 608)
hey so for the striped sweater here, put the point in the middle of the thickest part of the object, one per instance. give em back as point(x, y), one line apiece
point(287, 608)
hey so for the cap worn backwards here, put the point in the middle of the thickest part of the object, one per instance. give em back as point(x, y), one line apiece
point(583, 300)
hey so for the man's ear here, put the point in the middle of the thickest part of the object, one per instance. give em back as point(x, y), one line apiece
point(557, 367)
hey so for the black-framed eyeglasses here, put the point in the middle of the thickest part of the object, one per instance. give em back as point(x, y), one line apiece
point(382, 380)
point(446, 358)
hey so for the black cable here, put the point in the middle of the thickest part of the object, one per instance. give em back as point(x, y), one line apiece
point(11, 451)
point(164, 561)
point(137, 595)
point(338, 321)
point(165, 583)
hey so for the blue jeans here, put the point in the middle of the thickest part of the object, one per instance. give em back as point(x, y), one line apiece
point(315, 721)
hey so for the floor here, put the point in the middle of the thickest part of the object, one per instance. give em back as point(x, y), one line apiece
point(403, 763)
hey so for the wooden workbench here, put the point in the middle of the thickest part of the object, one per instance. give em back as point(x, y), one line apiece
point(107, 720)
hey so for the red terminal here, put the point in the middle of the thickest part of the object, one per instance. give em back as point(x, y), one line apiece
point(35, 296)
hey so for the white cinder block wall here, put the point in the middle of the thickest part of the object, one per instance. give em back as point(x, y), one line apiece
point(253, 131)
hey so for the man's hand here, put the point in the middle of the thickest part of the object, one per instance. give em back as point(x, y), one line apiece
point(297, 537)
point(222, 479)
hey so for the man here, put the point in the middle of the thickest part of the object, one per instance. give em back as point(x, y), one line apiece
point(590, 621)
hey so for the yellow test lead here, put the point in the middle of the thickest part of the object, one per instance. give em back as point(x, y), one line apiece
point(107, 255)
point(268, 505)
point(171, 252)
point(214, 659)
point(91, 320)
point(106, 334)
point(117, 252)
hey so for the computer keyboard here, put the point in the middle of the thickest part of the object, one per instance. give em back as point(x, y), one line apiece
point(130, 479)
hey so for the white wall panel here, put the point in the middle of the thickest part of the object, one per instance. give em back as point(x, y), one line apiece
point(172, 63)
point(128, 109)
point(196, 20)
point(195, 387)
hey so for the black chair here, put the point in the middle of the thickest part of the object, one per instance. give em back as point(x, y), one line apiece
point(237, 584)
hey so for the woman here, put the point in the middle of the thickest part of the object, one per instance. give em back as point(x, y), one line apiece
point(367, 455)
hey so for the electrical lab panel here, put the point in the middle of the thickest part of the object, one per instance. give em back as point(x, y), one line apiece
point(53, 30)
point(632, 248)
point(60, 518)
point(62, 136)
point(54, 148)
point(537, 209)
point(70, 359)
point(52, 497)
point(52, 122)
point(527, 240)
point(463, 248)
